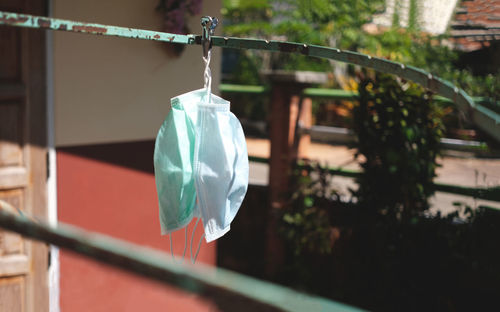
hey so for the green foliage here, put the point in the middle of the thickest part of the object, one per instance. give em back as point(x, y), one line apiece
point(432, 54)
point(395, 15)
point(334, 22)
point(483, 86)
point(346, 252)
point(316, 20)
point(410, 48)
point(339, 23)
point(399, 130)
point(306, 222)
point(413, 15)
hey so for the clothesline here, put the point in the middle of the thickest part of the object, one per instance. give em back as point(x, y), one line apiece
point(483, 117)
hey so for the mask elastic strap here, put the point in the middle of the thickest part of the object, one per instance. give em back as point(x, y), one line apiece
point(193, 259)
point(185, 242)
point(171, 246)
point(208, 75)
point(208, 25)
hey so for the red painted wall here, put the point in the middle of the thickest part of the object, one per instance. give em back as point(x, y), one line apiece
point(119, 201)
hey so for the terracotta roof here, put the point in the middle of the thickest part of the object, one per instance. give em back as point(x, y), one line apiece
point(476, 24)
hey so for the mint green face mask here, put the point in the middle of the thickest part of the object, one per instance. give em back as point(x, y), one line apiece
point(173, 163)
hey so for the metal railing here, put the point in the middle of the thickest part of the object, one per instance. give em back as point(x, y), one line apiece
point(344, 135)
point(486, 193)
point(230, 291)
point(484, 117)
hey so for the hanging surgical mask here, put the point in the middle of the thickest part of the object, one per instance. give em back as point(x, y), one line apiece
point(220, 166)
point(200, 152)
point(173, 163)
point(201, 163)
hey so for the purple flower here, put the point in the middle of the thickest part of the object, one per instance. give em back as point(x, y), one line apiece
point(176, 12)
point(195, 6)
point(175, 21)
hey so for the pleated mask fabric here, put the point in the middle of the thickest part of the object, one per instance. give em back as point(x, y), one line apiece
point(173, 164)
point(221, 166)
point(201, 164)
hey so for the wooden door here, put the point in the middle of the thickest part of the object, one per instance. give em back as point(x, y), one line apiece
point(23, 162)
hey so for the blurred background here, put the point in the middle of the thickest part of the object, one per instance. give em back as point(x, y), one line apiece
point(365, 188)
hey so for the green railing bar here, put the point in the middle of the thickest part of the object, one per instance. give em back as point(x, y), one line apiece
point(490, 208)
point(245, 89)
point(229, 289)
point(337, 94)
point(258, 159)
point(491, 194)
point(485, 118)
point(32, 21)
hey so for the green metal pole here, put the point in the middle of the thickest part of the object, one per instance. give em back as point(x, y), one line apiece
point(32, 21)
point(234, 292)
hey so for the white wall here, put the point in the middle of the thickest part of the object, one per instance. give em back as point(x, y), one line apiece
point(110, 89)
point(434, 15)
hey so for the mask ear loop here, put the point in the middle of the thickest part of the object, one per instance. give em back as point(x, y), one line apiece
point(208, 76)
point(193, 260)
point(171, 246)
point(208, 24)
point(185, 244)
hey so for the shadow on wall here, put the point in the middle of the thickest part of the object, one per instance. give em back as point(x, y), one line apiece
point(133, 155)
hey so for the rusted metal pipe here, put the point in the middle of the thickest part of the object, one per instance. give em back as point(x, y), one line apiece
point(32, 21)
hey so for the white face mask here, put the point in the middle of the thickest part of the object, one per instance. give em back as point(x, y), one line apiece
point(201, 164)
point(220, 166)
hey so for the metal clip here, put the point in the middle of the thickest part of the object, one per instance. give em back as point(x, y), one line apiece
point(208, 25)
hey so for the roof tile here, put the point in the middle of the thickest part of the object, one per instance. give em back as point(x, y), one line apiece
point(476, 23)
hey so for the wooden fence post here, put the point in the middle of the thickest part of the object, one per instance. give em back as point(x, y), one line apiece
point(303, 141)
point(285, 110)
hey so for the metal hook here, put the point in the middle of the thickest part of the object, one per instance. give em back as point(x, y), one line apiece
point(208, 25)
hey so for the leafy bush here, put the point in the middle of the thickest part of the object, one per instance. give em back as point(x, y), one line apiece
point(306, 220)
point(381, 250)
point(399, 129)
point(348, 253)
